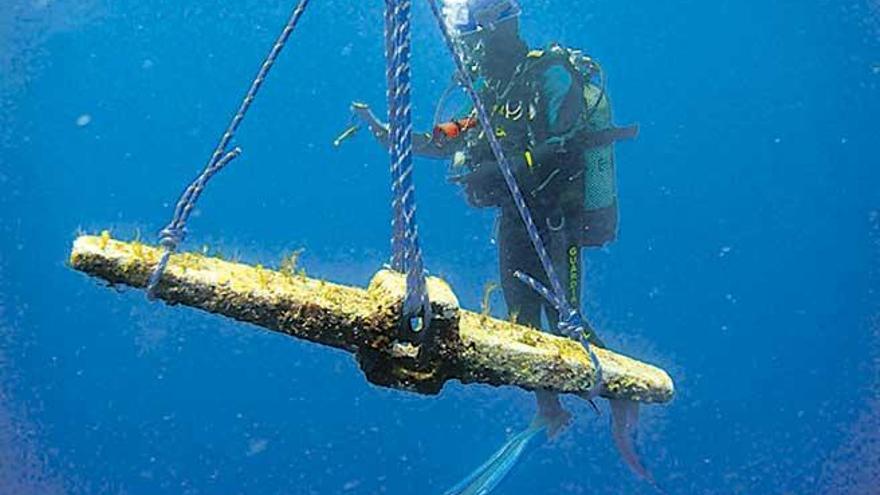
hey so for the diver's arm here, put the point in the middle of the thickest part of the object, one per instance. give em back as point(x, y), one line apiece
point(424, 144)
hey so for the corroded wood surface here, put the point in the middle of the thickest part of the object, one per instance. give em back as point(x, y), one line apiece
point(469, 347)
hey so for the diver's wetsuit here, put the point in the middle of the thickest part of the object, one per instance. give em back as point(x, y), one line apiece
point(551, 179)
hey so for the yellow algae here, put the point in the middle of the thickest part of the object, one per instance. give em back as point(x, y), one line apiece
point(289, 263)
point(486, 304)
point(105, 238)
point(262, 277)
point(529, 338)
point(138, 250)
point(513, 316)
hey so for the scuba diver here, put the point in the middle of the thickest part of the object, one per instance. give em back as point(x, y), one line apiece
point(552, 115)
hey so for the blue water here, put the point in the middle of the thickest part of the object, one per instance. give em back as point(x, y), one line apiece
point(746, 263)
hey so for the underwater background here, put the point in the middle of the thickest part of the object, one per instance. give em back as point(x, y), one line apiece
point(746, 264)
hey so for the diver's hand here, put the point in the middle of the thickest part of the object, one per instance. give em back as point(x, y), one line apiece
point(379, 129)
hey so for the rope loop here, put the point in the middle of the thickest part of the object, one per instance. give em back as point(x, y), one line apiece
point(170, 237)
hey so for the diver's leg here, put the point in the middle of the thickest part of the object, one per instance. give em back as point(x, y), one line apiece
point(566, 259)
point(515, 252)
point(565, 253)
point(550, 412)
point(565, 250)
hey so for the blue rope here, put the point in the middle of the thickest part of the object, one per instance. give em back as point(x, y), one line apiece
point(570, 321)
point(173, 234)
point(398, 236)
point(406, 249)
point(540, 289)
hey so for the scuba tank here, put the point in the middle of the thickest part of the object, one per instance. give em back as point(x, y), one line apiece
point(593, 138)
point(600, 215)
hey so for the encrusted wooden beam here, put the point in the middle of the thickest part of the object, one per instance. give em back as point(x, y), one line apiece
point(469, 347)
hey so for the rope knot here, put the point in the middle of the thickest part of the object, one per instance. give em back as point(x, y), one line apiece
point(572, 325)
point(171, 236)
